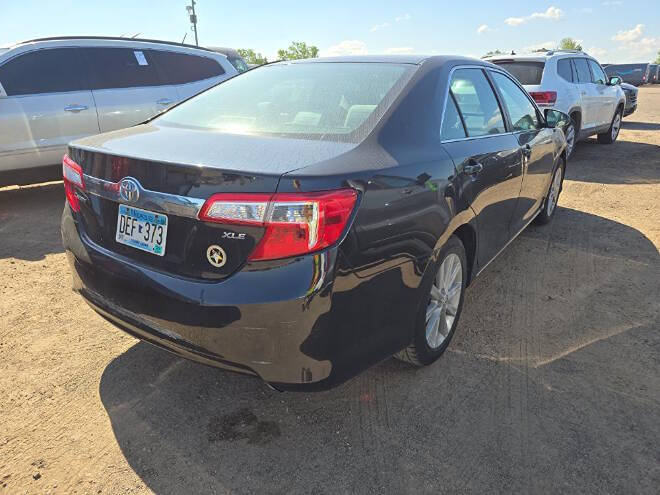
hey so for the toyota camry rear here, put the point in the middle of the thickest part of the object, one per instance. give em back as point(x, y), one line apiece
point(304, 221)
point(182, 231)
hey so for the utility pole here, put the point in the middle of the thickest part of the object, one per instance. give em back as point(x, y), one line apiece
point(193, 19)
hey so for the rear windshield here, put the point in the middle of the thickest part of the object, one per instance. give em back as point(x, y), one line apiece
point(315, 100)
point(525, 72)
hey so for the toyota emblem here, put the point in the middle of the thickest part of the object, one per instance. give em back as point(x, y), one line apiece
point(129, 190)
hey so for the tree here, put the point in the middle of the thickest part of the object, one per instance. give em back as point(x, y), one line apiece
point(251, 57)
point(569, 44)
point(298, 50)
point(493, 52)
point(657, 59)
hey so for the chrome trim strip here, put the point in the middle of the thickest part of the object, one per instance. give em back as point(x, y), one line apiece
point(505, 119)
point(483, 136)
point(172, 204)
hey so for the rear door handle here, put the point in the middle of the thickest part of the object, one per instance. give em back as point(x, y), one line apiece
point(165, 101)
point(75, 108)
point(473, 168)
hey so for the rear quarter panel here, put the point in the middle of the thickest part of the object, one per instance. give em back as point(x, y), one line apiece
point(405, 212)
point(568, 93)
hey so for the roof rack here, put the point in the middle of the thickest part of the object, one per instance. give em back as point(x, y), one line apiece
point(564, 50)
point(115, 38)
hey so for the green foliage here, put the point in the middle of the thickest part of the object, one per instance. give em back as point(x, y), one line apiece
point(251, 57)
point(569, 44)
point(657, 59)
point(493, 52)
point(298, 50)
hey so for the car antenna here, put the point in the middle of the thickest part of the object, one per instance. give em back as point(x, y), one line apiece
point(512, 52)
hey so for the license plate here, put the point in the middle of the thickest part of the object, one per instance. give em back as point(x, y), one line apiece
point(142, 229)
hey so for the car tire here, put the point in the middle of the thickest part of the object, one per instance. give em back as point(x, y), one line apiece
point(571, 132)
point(552, 197)
point(435, 326)
point(612, 133)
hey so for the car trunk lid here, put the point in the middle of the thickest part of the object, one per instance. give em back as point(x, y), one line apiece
point(176, 170)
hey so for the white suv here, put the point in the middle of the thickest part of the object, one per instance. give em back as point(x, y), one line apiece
point(574, 83)
point(55, 90)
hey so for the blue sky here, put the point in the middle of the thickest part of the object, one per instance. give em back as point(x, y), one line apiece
point(613, 31)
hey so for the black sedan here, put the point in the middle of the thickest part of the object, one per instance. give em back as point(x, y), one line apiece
point(306, 220)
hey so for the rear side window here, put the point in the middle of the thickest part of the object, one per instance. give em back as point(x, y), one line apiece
point(525, 72)
point(564, 69)
point(521, 111)
point(452, 126)
point(582, 69)
point(477, 103)
point(179, 68)
point(121, 68)
point(238, 63)
point(599, 75)
point(52, 70)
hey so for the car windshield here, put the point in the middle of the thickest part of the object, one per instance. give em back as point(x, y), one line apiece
point(309, 100)
point(525, 72)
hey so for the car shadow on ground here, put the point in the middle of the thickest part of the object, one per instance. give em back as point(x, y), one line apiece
point(30, 221)
point(640, 126)
point(535, 392)
point(624, 162)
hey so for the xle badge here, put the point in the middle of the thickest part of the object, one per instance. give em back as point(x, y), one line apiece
point(216, 255)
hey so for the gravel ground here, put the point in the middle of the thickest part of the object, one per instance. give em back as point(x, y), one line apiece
point(552, 383)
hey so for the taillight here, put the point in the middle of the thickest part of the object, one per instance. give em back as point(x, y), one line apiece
point(295, 223)
point(73, 178)
point(544, 97)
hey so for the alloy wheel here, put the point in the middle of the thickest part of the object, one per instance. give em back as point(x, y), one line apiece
point(553, 194)
point(616, 125)
point(445, 298)
point(570, 139)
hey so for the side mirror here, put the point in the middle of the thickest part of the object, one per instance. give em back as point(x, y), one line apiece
point(555, 118)
point(614, 81)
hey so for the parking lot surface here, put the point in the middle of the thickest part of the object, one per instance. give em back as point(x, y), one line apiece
point(551, 384)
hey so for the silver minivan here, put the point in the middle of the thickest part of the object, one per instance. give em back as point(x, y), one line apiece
point(55, 90)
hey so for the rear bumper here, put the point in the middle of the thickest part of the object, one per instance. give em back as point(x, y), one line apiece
point(270, 319)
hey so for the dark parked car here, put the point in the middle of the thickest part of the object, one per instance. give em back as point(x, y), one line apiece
point(631, 98)
point(306, 220)
point(233, 56)
point(635, 74)
point(653, 74)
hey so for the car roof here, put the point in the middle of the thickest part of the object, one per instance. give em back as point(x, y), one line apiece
point(108, 38)
point(539, 56)
point(392, 59)
point(622, 64)
point(224, 50)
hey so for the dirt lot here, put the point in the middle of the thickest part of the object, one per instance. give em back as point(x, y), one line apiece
point(551, 384)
